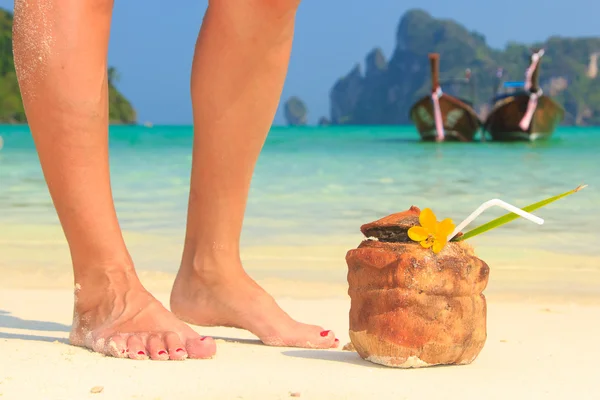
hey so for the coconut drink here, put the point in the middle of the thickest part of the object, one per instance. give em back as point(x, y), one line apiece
point(416, 288)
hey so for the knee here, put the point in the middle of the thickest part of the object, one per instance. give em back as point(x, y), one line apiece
point(275, 5)
point(104, 7)
point(266, 7)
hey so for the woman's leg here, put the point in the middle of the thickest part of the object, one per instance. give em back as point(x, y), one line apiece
point(60, 49)
point(238, 73)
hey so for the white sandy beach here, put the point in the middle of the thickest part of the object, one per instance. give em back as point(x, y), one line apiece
point(534, 351)
point(542, 334)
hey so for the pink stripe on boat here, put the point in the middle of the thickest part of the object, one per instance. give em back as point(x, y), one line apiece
point(437, 113)
point(531, 106)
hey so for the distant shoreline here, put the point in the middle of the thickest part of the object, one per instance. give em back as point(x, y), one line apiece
point(295, 127)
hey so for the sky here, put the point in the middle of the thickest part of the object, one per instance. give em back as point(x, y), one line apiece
point(152, 42)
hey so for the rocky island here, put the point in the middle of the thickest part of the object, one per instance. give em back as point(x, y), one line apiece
point(383, 93)
point(295, 112)
point(11, 105)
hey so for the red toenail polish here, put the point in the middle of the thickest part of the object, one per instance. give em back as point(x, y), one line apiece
point(337, 340)
point(141, 353)
point(203, 338)
point(325, 333)
point(160, 353)
point(179, 350)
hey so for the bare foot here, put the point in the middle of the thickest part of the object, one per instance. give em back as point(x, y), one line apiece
point(121, 319)
point(235, 300)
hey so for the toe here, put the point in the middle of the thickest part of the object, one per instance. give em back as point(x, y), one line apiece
point(336, 343)
point(204, 347)
point(137, 350)
point(305, 336)
point(156, 348)
point(313, 337)
point(116, 346)
point(325, 340)
point(175, 346)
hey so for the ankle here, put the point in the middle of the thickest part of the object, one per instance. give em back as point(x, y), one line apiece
point(203, 258)
point(105, 271)
point(210, 267)
point(98, 283)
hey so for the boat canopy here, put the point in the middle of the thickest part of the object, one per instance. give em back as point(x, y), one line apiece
point(513, 84)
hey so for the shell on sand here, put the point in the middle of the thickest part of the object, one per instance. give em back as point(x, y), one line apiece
point(411, 307)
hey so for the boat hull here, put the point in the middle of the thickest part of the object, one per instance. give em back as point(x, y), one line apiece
point(460, 121)
point(503, 121)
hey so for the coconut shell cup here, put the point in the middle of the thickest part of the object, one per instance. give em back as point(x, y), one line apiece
point(411, 307)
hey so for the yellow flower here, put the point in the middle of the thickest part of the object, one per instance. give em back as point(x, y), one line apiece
point(431, 233)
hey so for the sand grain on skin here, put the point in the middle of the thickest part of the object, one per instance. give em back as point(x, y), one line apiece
point(34, 26)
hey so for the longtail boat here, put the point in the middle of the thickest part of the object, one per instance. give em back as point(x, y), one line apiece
point(442, 117)
point(526, 114)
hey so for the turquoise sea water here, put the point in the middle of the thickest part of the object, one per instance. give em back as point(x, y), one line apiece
point(314, 183)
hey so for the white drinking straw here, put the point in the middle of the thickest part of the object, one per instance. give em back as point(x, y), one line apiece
point(491, 203)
